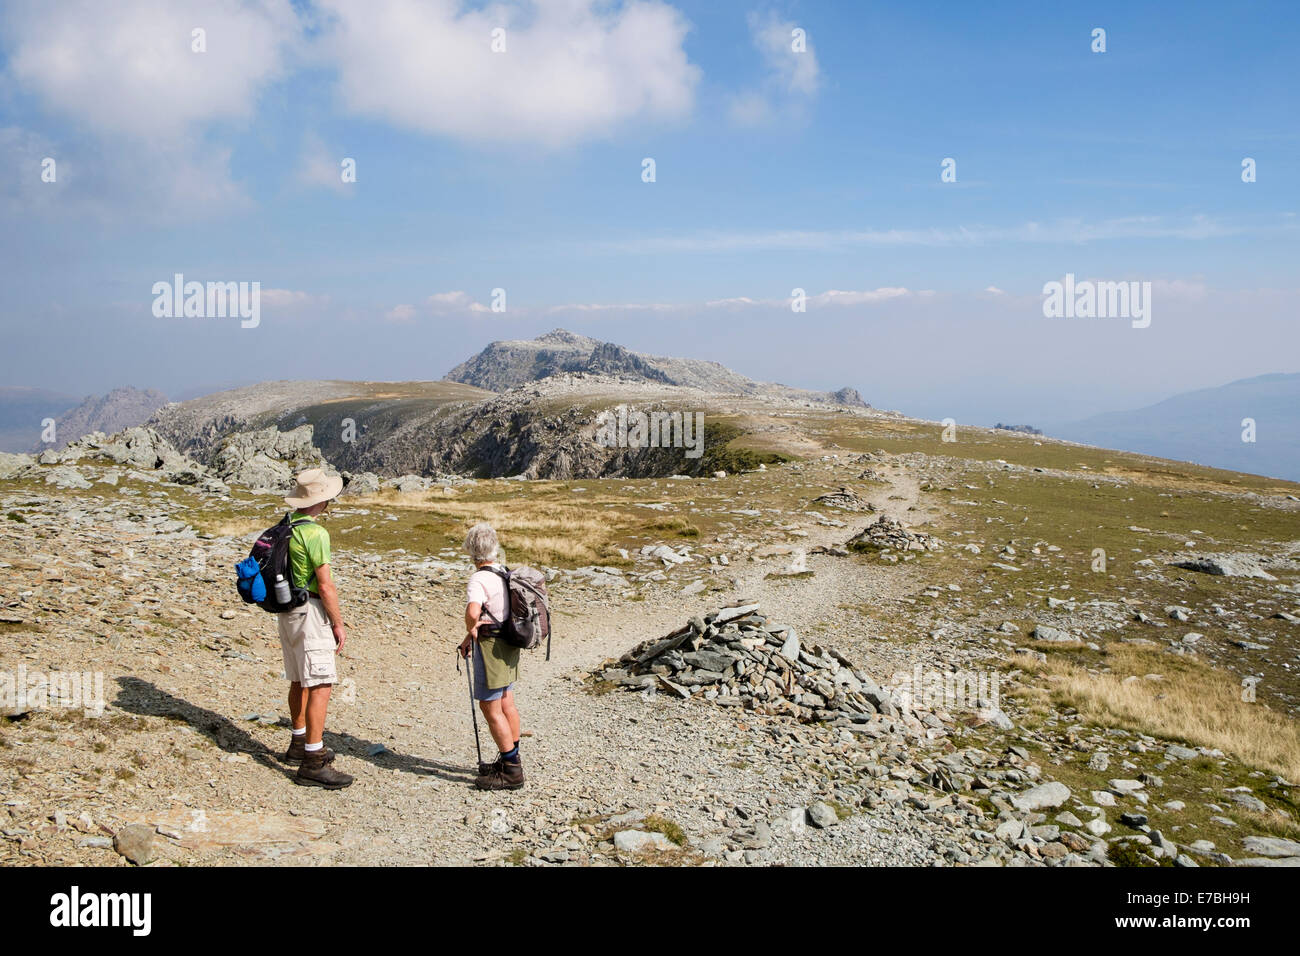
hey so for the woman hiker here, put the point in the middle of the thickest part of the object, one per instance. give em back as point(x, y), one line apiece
point(496, 663)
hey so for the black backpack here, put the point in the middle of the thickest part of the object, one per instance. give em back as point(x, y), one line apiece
point(268, 562)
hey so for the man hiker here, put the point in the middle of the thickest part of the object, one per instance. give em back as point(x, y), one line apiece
point(310, 634)
point(496, 662)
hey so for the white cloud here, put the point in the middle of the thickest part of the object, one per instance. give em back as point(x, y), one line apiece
point(457, 301)
point(616, 307)
point(318, 166)
point(127, 67)
point(836, 297)
point(571, 70)
point(126, 72)
point(791, 77)
point(438, 304)
point(1069, 231)
point(793, 71)
point(831, 297)
point(292, 299)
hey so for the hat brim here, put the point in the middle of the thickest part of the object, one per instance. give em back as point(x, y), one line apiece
point(333, 485)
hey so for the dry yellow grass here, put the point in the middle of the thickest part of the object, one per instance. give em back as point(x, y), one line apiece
point(234, 527)
point(1193, 702)
point(551, 532)
point(419, 500)
point(530, 516)
point(545, 529)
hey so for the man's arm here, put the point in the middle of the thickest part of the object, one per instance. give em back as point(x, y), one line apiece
point(329, 597)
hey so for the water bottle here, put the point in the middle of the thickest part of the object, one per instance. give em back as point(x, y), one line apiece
point(282, 593)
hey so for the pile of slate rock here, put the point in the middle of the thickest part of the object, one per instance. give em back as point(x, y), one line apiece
point(735, 657)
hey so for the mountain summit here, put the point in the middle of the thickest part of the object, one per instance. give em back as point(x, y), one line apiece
point(508, 364)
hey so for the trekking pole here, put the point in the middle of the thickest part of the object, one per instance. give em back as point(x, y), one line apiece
point(469, 679)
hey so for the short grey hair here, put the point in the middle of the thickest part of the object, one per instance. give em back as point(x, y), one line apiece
point(481, 543)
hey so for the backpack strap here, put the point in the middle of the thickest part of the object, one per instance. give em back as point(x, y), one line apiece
point(293, 529)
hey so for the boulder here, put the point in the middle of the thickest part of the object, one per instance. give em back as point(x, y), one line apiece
point(136, 843)
point(1271, 846)
point(635, 841)
point(362, 483)
point(1226, 565)
point(822, 815)
point(1042, 797)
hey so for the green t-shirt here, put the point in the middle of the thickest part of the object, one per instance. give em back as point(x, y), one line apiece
point(309, 548)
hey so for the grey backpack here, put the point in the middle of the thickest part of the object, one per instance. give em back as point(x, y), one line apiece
point(528, 616)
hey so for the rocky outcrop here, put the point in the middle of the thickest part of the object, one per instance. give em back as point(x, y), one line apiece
point(848, 396)
point(136, 447)
point(610, 359)
point(139, 450)
point(11, 465)
point(506, 365)
point(267, 459)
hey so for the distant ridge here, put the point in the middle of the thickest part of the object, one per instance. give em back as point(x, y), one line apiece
point(1205, 426)
point(121, 408)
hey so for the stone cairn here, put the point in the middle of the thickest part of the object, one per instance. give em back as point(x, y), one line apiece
point(735, 657)
point(886, 534)
point(845, 500)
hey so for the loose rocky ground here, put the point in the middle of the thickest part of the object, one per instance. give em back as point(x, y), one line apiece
point(985, 567)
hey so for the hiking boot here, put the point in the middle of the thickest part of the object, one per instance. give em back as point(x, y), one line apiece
point(298, 749)
point(316, 772)
point(505, 775)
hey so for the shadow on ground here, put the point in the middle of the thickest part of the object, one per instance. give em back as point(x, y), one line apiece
point(138, 696)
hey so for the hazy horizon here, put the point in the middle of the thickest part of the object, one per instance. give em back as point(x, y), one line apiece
point(939, 411)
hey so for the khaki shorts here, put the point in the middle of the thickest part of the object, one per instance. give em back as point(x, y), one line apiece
point(307, 642)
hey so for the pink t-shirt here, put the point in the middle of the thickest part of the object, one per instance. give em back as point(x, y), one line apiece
point(489, 590)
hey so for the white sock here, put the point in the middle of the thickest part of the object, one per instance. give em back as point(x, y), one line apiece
point(300, 731)
point(312, 748)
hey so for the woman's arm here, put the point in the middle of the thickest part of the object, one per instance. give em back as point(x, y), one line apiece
point(472, 611)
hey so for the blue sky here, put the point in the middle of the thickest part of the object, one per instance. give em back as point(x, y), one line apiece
point(775, 170)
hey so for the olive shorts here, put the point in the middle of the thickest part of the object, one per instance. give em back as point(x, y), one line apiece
point(496, 666)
